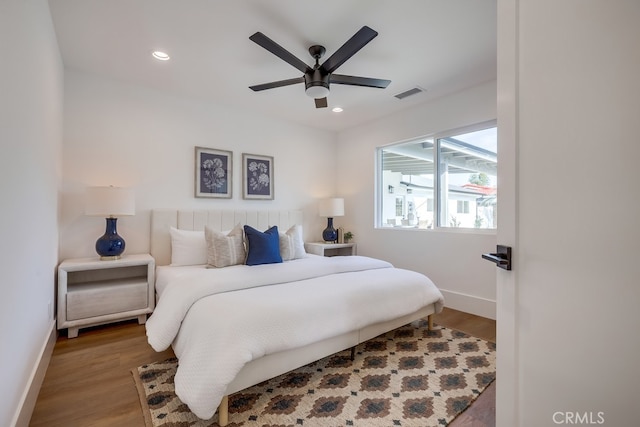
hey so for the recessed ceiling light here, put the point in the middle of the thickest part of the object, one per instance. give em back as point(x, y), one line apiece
point(337, 109)
point(162, 56)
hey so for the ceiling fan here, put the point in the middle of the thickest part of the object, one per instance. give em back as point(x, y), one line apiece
point(318, 78)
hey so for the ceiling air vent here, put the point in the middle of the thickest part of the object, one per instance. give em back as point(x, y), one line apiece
point(409, 92)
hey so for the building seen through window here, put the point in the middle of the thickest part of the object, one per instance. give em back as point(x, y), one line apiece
point(445, 180)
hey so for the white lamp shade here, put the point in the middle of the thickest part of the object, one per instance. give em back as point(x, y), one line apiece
point(109, 201)
point(331, 207)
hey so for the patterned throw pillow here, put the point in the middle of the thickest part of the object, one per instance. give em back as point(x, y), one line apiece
point(224, 250)
point(292, 244)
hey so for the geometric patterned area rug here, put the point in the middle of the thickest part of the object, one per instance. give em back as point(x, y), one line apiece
point(407, 377)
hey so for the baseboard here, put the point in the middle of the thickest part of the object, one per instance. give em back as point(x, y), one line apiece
point(30, 394)
point(470, 304)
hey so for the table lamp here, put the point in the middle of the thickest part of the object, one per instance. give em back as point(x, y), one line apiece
point(331, 208)
point(109, 202)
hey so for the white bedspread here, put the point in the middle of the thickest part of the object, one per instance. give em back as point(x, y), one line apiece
point(220, 319)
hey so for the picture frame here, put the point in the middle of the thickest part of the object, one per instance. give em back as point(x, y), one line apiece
point(257, 177)
point(214, 171)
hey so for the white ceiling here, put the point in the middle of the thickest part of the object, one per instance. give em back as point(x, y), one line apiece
point(442, 46)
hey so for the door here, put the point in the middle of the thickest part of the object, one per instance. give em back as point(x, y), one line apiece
point(569, 146)
point(507, 384)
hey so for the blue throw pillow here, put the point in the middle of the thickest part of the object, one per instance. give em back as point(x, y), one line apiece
point(263, 248)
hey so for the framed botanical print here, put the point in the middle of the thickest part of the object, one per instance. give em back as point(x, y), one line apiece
point(257, 177)
point(213, 173)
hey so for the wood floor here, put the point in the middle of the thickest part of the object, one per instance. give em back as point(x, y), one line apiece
point(89, 383)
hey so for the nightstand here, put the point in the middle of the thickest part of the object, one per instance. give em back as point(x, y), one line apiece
point(94, 292)
point(330, 249)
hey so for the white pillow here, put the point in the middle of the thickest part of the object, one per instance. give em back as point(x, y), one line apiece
point(187, 247)
point(225, 249)
point(292, 244)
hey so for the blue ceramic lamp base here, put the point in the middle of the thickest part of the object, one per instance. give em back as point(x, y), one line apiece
point(330, 234)
point(110, 246)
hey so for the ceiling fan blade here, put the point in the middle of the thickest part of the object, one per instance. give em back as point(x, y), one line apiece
point(279, 83)
point(358, 81)
point(347, 50)
point(321, 102)
point(279, 51)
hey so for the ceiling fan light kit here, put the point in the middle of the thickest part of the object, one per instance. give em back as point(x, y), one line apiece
point(317, 91)
point(316, 84)
point(317, 79)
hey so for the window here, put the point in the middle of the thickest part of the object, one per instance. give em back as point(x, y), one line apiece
point(399, 206)
point(463, 206)
point(429, 205)
point(444, 180)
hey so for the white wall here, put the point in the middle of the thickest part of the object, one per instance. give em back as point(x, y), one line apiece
point(577, 101)
point(123, 135)
point(451, 258)
point(31, 85)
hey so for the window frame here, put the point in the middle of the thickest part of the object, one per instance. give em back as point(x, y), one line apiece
point(437, 188)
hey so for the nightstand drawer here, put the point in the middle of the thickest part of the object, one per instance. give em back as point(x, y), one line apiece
point(94, 292)
point(98, 298)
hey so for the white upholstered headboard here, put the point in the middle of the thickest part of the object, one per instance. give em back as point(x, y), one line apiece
point(162, 219)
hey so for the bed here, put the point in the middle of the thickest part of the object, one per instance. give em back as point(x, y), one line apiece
point(237, 325)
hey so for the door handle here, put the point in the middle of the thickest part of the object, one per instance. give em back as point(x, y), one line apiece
point(502, 257)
